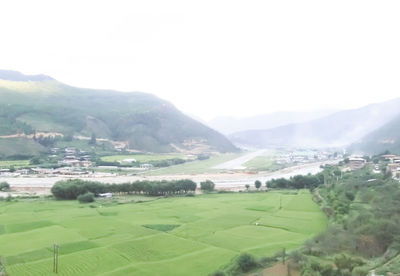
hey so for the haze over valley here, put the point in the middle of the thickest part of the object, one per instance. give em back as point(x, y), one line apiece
point(208, 138)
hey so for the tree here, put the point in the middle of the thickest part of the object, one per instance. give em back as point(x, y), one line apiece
point(34, 161)
point(247, 186)
point(246, 262)
point(92, 139)
point(85, 198)
point(257, 184)
point(4, 186)
point(207, 185)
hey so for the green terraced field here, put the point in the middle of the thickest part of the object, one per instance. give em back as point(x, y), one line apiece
point(171, 236)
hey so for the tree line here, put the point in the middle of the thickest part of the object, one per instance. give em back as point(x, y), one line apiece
point(72, 188)
point(297, 182)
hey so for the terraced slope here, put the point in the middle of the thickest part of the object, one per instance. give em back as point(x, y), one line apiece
point(175, 236)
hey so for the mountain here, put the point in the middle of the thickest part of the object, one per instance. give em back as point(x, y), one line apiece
point(39, 103)
point(335, 130)
point(229, 125)
point(385, 138)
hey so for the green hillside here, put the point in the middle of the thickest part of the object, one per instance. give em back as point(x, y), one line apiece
point(386, 138)
point(31, 104)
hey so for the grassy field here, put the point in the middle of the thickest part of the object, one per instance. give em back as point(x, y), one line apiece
point(142, 157)
point(196, 167)
point(15, 163)
point(19, 146)
point(173, 236)
point(263, 163)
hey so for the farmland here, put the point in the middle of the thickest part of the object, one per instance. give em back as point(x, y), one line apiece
point(15, 163)
point(168, 236)
point(142, 157)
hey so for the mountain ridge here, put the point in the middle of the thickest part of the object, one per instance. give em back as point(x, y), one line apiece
point(143, 120)
point(336, 130)
point(229, 125)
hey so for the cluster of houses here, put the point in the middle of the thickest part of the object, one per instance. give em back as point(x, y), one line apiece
point(73, 162)
point(393, 165)
point(306, 157)
point(74, 158)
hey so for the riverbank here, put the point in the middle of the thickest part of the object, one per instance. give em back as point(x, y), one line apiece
point(232, 181)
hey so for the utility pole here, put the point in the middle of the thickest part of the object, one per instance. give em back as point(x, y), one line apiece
point(55, 258)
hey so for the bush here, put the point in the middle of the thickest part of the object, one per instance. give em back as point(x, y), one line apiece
point(86, 198)
point(4, 186)
point(246, 262)
point(207, 185)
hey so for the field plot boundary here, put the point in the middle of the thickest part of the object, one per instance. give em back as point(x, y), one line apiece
point(209, 230)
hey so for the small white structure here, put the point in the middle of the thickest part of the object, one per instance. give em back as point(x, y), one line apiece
point(129, 160)
point(106, 195)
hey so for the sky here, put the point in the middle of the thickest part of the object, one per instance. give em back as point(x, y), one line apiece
point(213, 58)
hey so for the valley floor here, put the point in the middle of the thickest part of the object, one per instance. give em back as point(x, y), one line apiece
point(172, 236)
point(233, 181)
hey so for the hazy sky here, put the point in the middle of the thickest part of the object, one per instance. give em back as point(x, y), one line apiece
point(214, 57)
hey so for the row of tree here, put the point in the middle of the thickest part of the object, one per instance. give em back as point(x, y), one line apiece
point(297, 182)
point(72, 188)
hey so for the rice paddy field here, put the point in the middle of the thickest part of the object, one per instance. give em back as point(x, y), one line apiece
point(168, 236)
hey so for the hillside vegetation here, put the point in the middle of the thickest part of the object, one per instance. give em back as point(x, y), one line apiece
point(386, 138)
point(142, 120)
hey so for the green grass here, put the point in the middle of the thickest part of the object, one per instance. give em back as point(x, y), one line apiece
point(171, 236)
point(19, 146)
point(198, 166)
point(263, 163)
point(142, 157)
point(15, 163)
point(43, 123)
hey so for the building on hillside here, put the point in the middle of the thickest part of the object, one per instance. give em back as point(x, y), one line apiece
point(356, 163)
point(394, 168)
point(146, 166)
point(390, 157)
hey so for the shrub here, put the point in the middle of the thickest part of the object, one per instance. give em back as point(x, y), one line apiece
point(86, 198)
point(297, 257)
point(4, 186)
point(246, 262)
point(207, 185)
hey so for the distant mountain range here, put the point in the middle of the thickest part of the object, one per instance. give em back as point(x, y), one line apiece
point(385, 138)
point(336, 130)
point(229, 125)
point(39, 103)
